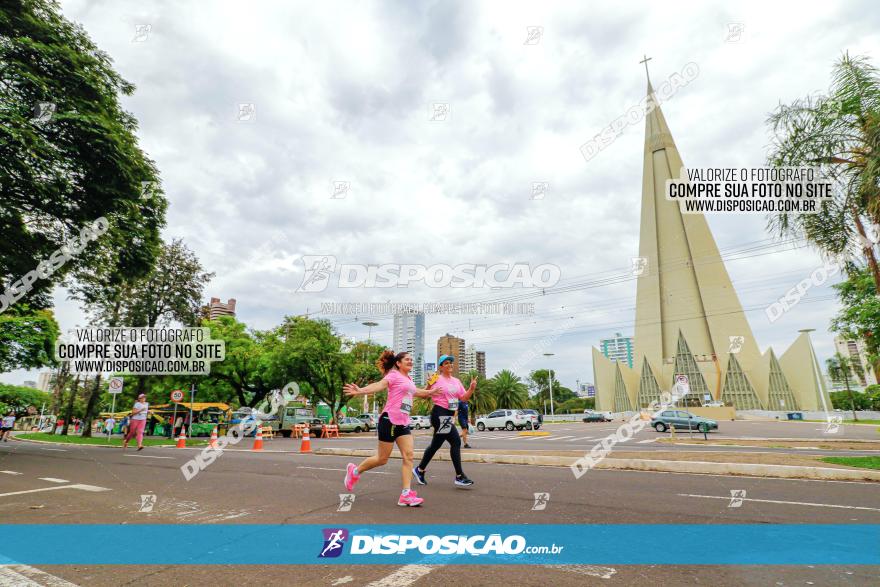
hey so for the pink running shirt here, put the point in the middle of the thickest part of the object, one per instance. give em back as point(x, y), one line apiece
point(452, 391)
point(400, 397)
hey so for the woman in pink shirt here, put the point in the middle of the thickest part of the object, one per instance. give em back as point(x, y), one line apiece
point(451, 391)
point(393, 423)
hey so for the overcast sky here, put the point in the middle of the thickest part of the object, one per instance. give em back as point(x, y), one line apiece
point(345, 93)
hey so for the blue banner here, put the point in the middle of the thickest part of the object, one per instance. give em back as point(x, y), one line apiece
point(460, 544)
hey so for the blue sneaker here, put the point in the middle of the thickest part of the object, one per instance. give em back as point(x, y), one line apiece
point(419, 475)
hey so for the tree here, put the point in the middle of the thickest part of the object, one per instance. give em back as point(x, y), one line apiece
point(27, 338)
point(839, 369)
point(19, 398)
point(68, 151)
point(539, 388)
point(859, 314)
point(508, 390)
point(837, 133)
point(483, 399)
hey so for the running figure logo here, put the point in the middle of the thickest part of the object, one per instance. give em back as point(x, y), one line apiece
point(736, 498)
point(832, 426)
point(541, 500)
point(346, 500)
point(445, 425)
point(148, 500)
point(318, 271)
point(334, 541)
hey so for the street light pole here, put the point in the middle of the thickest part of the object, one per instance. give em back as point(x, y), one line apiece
point(550, 372)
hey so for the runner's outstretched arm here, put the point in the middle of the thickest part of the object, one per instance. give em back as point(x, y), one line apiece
point(351, 389)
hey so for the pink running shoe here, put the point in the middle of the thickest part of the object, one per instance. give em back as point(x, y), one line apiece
point(410, 500)
point(351, 478)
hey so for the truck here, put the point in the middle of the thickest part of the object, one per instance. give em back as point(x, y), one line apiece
point(282, 423)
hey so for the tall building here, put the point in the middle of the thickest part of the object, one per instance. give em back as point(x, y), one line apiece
point(452, 345)
point(689, 320)
point(619, 348)
point(481, 363)
point(216, 308)
point(409, 336)
point(862, 371)
point(44, 380)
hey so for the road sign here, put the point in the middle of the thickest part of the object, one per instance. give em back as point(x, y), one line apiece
point(116, 384)
point(176, 395)
point(591, 391)
point(707, 397)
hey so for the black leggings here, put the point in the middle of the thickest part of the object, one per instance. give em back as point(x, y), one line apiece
point(443, 421)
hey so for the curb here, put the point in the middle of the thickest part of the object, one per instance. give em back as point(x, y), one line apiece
point(91, 445)
point(657, 466)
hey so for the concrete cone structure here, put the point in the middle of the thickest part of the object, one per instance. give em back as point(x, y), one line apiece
point(689, 319)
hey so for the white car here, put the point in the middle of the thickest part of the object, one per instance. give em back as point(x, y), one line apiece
point(419, 422)
point(508, 419)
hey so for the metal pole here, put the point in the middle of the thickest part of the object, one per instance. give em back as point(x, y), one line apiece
point(192, 395)
point(552, 412)
point(173, 420)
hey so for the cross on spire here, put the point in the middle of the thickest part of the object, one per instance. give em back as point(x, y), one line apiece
point(645, 61)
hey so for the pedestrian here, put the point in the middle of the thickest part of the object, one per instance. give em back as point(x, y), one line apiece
point(6, 425)
point(443, 420)
point(137, 422)
point(464, 421)
point(178, 424)
point(109, 424)
point(393, 425)
point(76, 422)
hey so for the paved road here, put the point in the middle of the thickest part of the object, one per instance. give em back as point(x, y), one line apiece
point(69, 485)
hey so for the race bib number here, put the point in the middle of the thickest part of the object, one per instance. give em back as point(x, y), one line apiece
point(445, 425)
point(406, 406)
point(453, 403)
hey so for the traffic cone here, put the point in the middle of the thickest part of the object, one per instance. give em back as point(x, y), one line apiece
point(306, 445)
point(181, 440)
point(213, 442)
point(258, 441)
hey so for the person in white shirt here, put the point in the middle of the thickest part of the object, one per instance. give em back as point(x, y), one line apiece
point(137, 423)
point(109, 424)
point(6, 426)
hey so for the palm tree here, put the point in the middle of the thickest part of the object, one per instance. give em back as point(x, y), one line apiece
point(483, 400)
point(839, 369)
point(840, 135)
point(509, 391)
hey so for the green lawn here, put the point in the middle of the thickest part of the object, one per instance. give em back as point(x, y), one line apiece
point(116, 441)
point(860, 462)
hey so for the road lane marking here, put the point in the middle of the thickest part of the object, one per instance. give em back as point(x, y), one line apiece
point(582, 438)
point(147, 457)
point(589, 570)
point(404, 576)
point(22, 575)
point(343, 470)
point(56, 449)
point(81, 487)
point(54, 480)
point(648, 441)
point(806, 503)
point(11, 472)
point(561, 437)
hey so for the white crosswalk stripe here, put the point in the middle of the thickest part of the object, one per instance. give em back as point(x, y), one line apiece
point(560, 437)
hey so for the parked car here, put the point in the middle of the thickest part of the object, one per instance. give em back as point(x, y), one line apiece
point(508, 419)
point(594, 416)
point(535, 413)
point(419, 422)
point(315, 426)
point(682, 419)
point(371, 420)
point(352, 425)
point(714, 404)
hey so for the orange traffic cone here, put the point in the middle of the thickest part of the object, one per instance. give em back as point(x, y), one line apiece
point(181, 440)
point(306, 445)
point(258, 441)
point(213, 442)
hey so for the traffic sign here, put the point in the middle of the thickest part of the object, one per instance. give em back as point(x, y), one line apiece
point(176, 395)
point(116, 384)
point(681, 382)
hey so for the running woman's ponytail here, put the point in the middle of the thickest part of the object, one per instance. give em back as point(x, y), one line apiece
point(388, 360)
